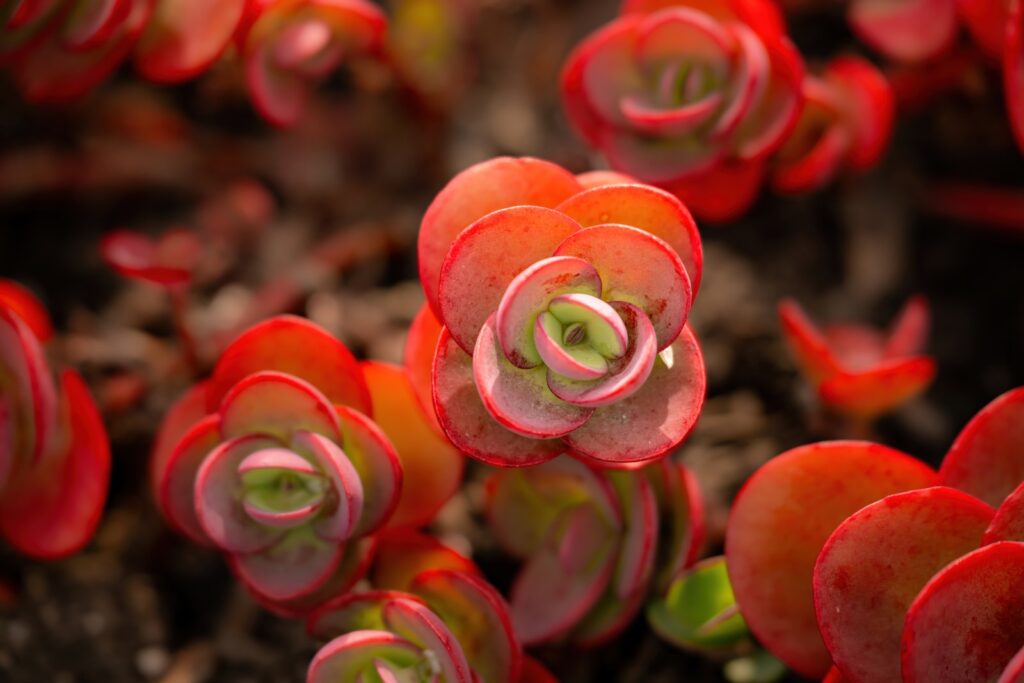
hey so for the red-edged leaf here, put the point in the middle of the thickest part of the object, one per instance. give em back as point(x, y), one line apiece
point(29, 388)
point(875, 563)
point(987, 458)
point(352, 612)
point(807, 343)
point(418, 624)
point(879, 389)
point(418, 358)
point(870, 108)
point(592, 179)
point(184, 37)
point(965, 625)
point(905, 30)
point(378, 465)
point(299, 564)
point(1008, 524)
point(26, 306)
point(176, 479)
point(185, 412)
point(349, 655)
point(403, 554)
point(781, 519)
point(277, 405)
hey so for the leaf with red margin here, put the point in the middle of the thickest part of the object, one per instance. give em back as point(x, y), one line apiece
point(403, 554)
point(881, 388)
point(478, 617)
point(1014, 672)
point(807, 343)
point(352, 500)
point(487, 256)
point(965, 625)
point(987, 458)
point(185, 412)
point(534, 672)
point(294, 346)
point(681, 507)
point(352, 612)
point(722, 194)
point(26, 381)
point(299, 564)
point(277, 405)
point(418, 358)
point(418, 624)
point(469, 425)
point(875, 563)
point(477, 191)
point(431, 466)
point(909, 333)
point(591, 179)
point(814, 153)
point(640, 536)
point(378, 465)
point(24, 304)
point(54, 508)
point(781, 519)
point(659, 416)
point(1013, 70)
point(907, 30)
point(176, 480)
point(1008, 524)
point(346, 656)
point(639, 268)
point(184, 37)
point(644, 207)
point(871, 108)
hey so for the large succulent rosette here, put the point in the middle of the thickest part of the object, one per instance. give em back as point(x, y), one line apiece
point(593, 541)
point(54, 453)
point(691, 95)
point(275, 461)
point(565, 327)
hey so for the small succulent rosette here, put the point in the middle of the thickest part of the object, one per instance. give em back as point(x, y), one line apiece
point(857, 370)
point(899, 572)
point(429, 617)
point(594, 542)
point(275, 461)
point(844, 126)
point(54, 452)
point(691, 96)
point(564, 316)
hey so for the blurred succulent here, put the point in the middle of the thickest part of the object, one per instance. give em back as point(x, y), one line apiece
point(168, 260)
point(594, 542)
point(905, 30)
point(54, 453)
point(859, 371)
point(561, 324)
point(845, 124)
point(275, 461)
point(689, 95)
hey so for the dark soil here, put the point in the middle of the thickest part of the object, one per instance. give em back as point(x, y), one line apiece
point(142, 604)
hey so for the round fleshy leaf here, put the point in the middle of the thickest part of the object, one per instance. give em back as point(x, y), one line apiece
point(403, 554)
point(88, 24)
point(520, 400)
point(660, 415)
point(647, 208)
point(54, 508)
point(469, 425)
point(417, 623)
point(625, 378)
point(875, 391)
point(1008, 524)
point(219, 492)
point(26, 380)
point(591, 179)
point(184, 37)
point(875, 563)
point(344, 519)
point(431, 466)
point(347, 656)
point(294, 346)
point(723, 193)
point(361, 611)
point(965, 625)
point(185, 412)
point(477, 191)
point(277, 405)
point(806, 342)
point(176, 480)
point(167, 260)
point(700, 611)
point(987, 458)
point(418, 359)
point(485, 259)
point(530, 293)
point(905, 30)
point(26, 306)
point(478, 617)
point(639, 268)
point(378, 465)
point(781, 519)
point(547, 598)
point(870, 106)
point(298, 564)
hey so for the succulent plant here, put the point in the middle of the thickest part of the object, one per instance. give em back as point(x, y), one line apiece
point(275, 461)
point(561, 325)
point(54, 452)
point(905, 30)
point(691, 96)
point(593, 543)
point(856, 370)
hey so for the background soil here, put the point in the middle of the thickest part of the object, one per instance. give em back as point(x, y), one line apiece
point(348, 187)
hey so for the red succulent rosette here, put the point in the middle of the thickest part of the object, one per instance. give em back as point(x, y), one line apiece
point(859, 371)
point(54, 453)
point(289, 45)
point(275, 461)
point(429, 616)
point(561, 325)
point(593, 543)
point(845, 125)
point(684, 94)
